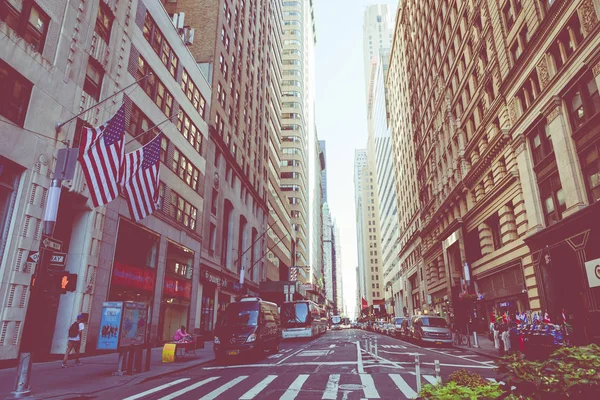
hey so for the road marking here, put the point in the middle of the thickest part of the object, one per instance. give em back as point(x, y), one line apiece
point(313, 353)
point(291, 355)
point(403, 386)
point(431, 379)
point(484, 366)
point(369, 386)
point(156, 389)
point(404, 352)
point(250, 394)
point(295, 387)
point(361, 369)
point(393, 346)
point(452, 355)
point(331, 346)
point(189, 388)
point(331, 391)
point(213, 395)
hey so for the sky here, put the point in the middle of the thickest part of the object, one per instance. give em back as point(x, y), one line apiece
point(341, 116)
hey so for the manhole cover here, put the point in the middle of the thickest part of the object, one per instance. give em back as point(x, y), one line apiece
point(351, 386)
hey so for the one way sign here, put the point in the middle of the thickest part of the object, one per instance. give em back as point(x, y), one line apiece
point(58, 259)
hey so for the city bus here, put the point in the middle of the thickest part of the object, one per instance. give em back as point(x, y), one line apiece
point(336, 322)
point(302, 319)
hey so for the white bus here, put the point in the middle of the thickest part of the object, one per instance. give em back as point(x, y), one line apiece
point(302, 319)
point(336, 322)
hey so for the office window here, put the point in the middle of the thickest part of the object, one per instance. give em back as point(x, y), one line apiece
point(541, 142)
point(28, 20)
point(16, 91)
point(183, 211)
point(160, 45)
point(189, 131)
point(590, 164)
point(104, 21)
point(553, 199)
point(182, 166)
point(493, 223)
point(93, 79)
point(583, 101)
point(193, 94)
point(154, 88)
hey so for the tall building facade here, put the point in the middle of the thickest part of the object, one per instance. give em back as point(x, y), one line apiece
point(240, 48)
point(328, 253)
point(360, 163)
point(407, 287)
point(77, 54)
point(338, 280)
point(297, 131)
point(506, 153)
point(378, 30)
point(323, 156)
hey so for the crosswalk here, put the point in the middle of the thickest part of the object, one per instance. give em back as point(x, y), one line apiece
point(290, 387)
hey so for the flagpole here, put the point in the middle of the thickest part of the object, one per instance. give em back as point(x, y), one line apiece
point(154, 127)
point(61, 124)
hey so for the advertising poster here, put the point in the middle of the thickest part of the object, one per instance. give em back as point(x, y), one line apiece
point(134, 323)
point(110, 325)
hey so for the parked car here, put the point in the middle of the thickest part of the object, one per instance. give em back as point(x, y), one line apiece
point(389, 329)
point(250, 326)
point(398, 326)
point(431, 329)
point(406, 329)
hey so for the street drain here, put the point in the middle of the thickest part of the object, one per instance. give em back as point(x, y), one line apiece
point(351, 386)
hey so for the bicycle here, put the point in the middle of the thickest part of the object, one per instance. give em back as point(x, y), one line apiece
point(460, 339)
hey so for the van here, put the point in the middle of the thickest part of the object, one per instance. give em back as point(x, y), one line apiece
point(431, 329)
point(249, 327)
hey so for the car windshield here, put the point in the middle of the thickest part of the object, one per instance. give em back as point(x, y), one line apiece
point(336, 320)
point(434, 322)
point(399, 321)
point(241, 314)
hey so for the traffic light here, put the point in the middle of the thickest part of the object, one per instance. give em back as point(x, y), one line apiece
point(61, 282)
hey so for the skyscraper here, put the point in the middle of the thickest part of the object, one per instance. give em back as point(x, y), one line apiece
point(360, 163)
point(323, 154)
point(297, 124)
point(378, 29)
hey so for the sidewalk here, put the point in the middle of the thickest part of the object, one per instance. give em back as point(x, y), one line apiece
point(49, 380)
point(486, 347)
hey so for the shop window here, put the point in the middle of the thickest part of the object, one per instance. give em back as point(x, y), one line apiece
point(104, 22)
point(553, 199)
point(583, 101)
point(9, 181)
point(590, 163)
point(93, 79)
point(180, 261)
point(541, 143)
point(29, 22)
point(136, 247)
point(16, 91)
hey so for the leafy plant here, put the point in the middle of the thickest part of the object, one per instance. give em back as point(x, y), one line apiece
point(570, 372)
point(453, 391)
point(462, 377)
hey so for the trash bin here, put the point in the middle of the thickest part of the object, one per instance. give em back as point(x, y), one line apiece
point(199, 339)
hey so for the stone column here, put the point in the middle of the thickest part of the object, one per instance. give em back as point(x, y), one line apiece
point(530, 193)
point(508, 226)
point(161, 266)
point(485, 239)
point(567, 161)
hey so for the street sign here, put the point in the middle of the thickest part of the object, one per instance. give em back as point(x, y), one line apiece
point(58, 259)
point(51, 243)
point(33, 256)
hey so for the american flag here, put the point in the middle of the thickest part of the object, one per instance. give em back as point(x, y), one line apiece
point(141, 178)
point(101, 156)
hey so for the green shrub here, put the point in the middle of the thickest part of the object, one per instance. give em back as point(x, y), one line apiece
point(454, 391)
point(570, 372)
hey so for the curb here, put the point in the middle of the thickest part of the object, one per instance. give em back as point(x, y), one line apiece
point(183, 368)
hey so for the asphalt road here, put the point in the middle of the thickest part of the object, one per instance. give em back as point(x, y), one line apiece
point(329, 367)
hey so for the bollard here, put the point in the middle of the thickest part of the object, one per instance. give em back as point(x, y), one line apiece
point(475, 340)
point(438, 376)
point(418, 372)
point(23, 375)
point(119, 365)
point(376, 357)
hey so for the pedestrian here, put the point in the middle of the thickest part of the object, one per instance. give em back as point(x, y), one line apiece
point(74, 340)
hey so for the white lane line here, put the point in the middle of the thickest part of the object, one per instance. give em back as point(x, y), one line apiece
point(189, 388)
point(252, 393)
point(331, 346)
point(369, 386)
point(291, 355)
point(403, 386)
point(484, 366)
point(156, 389)
point(331, 391)
point(218, 391)
point(491, 380)
point(295, 387)
point(361, 369)
point(430, 379)
point(452, 355)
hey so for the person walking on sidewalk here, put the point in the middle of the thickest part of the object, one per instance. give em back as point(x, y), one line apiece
point(74, 338)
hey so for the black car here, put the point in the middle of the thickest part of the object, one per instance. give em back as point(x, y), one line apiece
point(398, 326)
point(249, 327)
